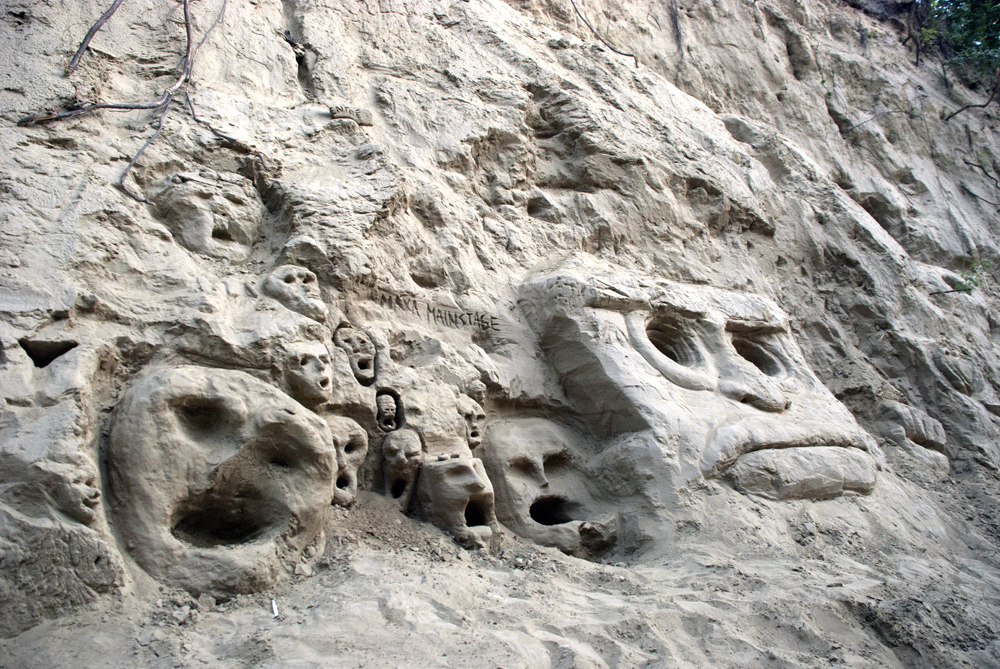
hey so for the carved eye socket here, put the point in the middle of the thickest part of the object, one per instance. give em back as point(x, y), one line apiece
point(308, 278)
point(673, 339)
point(523, 465)
point(303, 362)
point(758, 355)
point(289, 279)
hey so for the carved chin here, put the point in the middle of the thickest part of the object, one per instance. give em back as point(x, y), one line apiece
point(798, 461)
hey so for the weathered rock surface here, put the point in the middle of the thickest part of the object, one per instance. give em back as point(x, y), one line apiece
point(671, 340)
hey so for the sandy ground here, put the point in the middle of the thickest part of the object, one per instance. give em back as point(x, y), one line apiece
point(408, 596)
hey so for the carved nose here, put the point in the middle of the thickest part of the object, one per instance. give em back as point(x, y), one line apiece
point(746, 385)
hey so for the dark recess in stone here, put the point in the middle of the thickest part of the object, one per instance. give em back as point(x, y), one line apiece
point(42, 353)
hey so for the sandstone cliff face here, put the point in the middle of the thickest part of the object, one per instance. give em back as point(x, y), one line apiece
point(694, 348)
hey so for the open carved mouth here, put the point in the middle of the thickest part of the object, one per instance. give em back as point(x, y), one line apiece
point(554, 510)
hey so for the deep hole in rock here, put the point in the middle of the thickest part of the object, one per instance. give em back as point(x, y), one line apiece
point(237, 521)
point(203, 416)
point(757, 356)
point(474, 514)
point(343, 483)
point(551, 511)
point(398, 488)
point(222, 234)
point(669, 337)
point(42, 353)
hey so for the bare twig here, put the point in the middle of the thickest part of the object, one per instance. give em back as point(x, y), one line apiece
point(984, 171)
point(131, 163)
point(979, 197)
point(946, 292)
point(604, 41)
point(875, 116)
point(90, 35)
point(162, 102)
point(996, 87)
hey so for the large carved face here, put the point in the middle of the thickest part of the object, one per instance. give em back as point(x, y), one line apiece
point(714, 375)
point(217, 216)
point(217, 479)
point(360, 350)
point(538, 476)
point(297, 289)
point(307, 372)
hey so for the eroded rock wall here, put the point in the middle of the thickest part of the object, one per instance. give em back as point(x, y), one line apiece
point(463, 255)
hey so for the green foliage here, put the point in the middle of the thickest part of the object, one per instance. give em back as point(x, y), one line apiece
point(969, 31)
point(973, 277)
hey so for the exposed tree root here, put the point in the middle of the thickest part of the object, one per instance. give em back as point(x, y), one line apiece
point(161, 104)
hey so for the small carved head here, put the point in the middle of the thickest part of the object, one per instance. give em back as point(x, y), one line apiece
point(387, 407)
point(360, 350)
point(474, 417)
point(307, 373)
point(297, 289)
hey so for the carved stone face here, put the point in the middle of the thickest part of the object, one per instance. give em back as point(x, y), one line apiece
point(474, 418)
point(218, 479)
point(297, 289)
point(386, 408)
point(456, 495)
point(711, 374)
point(538, 475)
point(308, 374)
point(351, 444)
point(215, 216)
point(403, 456)
point(360, 350)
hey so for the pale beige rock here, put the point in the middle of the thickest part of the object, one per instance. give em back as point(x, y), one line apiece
point(456, 495)
point(217, 479)
point(307, 373)
point(711, 374)
point(539, 476)
point(814, 472)
point(360, 350)
point(296, 289)
point(216, 215)
point(403, 456)
point(351, 445)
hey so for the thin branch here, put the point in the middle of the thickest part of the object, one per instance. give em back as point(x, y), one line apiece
point(131, 163)
point(620, 53)
point(957, 290)
point(979, 197)
point(53, 115)
point(162, 102)
point(996, 87)
point(891, 111)
point(985, 173)
point(90, 35)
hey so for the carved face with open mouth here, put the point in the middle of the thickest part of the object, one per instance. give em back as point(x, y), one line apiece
point(218, 480)
point(308, 373)
point(714, 374)
point(456, 495)
point(537, 470)
point(360, 350)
